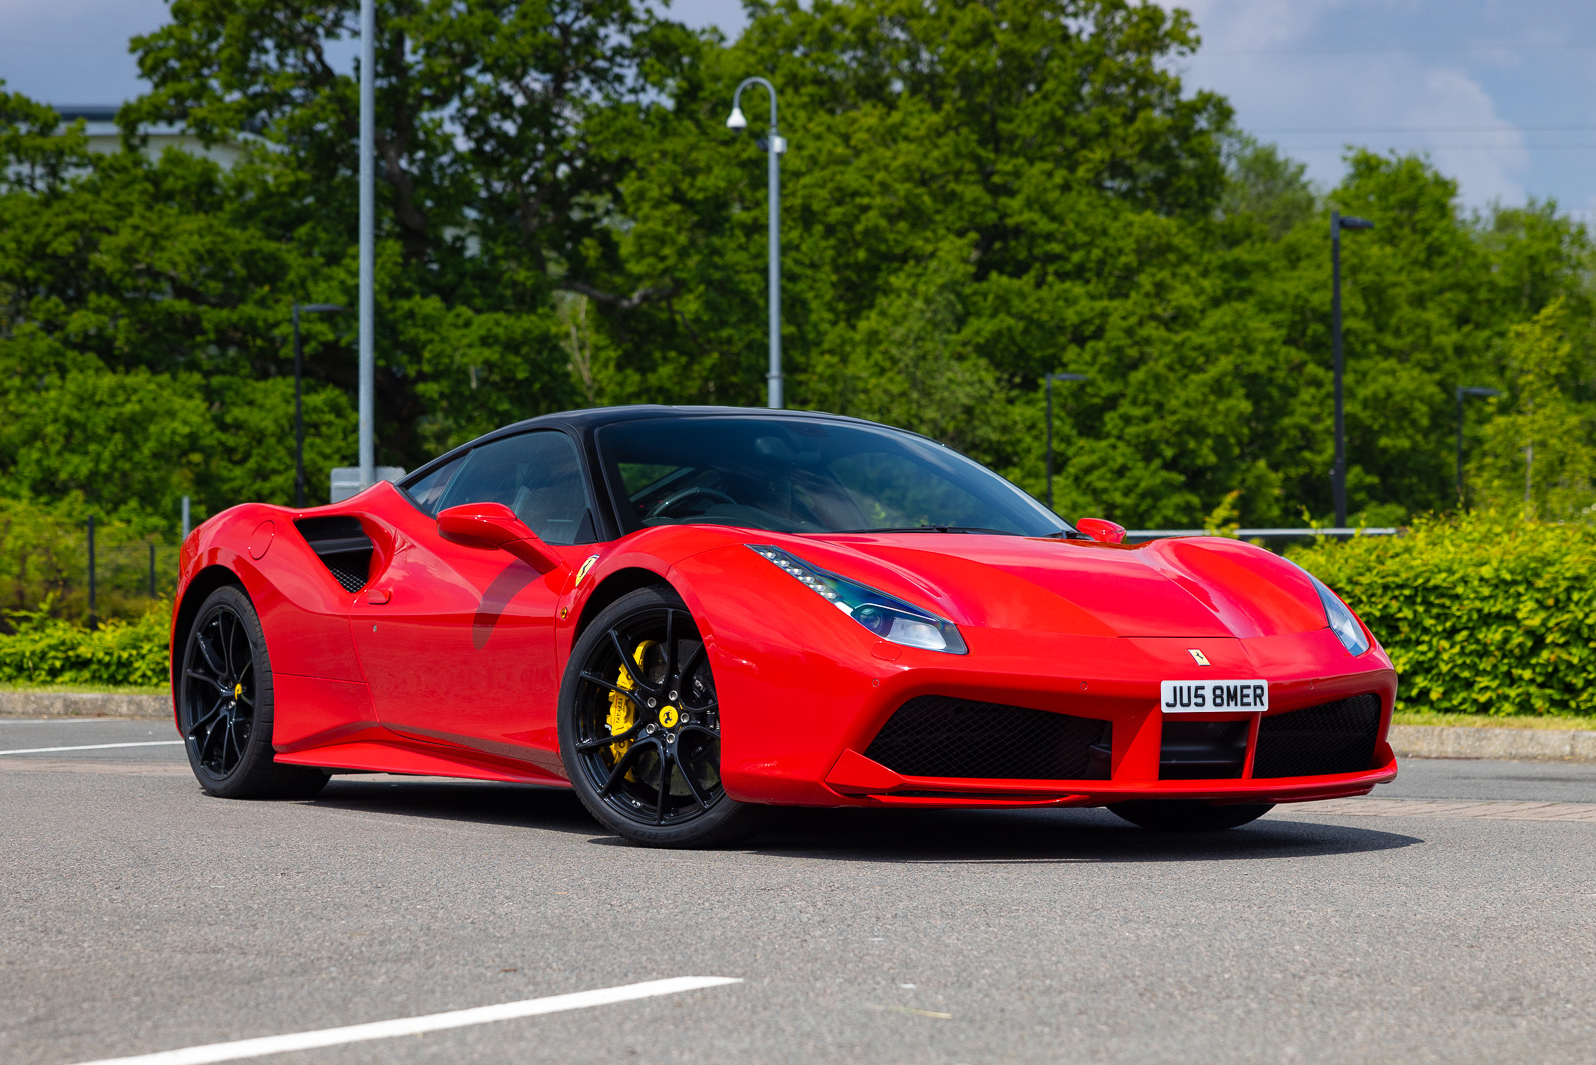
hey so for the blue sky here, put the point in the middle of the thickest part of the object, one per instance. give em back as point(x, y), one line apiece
point(1502, 95)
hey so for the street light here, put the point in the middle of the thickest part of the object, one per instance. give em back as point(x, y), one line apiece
point(1463, 391)
point(299, 415)
point(1338, 474)
point(367, 389)
point(1050, 379)
point(775, 147)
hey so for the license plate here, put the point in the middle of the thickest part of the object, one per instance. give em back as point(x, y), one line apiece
point(1212, 696)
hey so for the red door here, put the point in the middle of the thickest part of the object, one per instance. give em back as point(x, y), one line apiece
point(457, 642)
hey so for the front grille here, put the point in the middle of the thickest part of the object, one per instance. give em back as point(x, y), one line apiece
point(1333, 737)
point(1202, 750)
point(940, 736)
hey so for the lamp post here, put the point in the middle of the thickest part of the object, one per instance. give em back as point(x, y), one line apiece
point(368, 243)
point(299, 415)
point(1338, 474)
point(774, 147)
point(1462, 392)
point(1050, 379)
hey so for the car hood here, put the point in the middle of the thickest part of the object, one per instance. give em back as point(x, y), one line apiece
point(1198, 586)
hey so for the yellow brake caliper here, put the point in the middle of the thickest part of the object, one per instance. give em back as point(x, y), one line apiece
point(623, 715)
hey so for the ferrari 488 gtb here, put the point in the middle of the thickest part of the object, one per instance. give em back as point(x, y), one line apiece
point(687, 614)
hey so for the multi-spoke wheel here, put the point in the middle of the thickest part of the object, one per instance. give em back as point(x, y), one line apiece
point(225, 705)
point(640, 726)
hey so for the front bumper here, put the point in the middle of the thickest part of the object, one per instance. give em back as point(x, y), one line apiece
point(797, 719)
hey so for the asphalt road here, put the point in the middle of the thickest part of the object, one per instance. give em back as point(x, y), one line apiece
point(140, 915)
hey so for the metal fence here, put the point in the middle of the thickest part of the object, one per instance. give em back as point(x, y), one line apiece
point(84, 572)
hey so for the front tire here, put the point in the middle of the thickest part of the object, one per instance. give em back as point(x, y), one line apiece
point(225, 706)
point(640, 727)
point(1188, 815)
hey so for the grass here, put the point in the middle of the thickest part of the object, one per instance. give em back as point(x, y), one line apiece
point(1430, 717)
point(85, 689)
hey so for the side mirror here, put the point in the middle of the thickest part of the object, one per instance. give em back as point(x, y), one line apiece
point(1102, 530)
point(494, 525)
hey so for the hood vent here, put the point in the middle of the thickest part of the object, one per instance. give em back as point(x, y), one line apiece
point(343, 547)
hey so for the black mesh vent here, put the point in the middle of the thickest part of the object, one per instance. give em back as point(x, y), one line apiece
point(343, 547)
point(1334, 737)
point(1203, 750)
point(940, 736)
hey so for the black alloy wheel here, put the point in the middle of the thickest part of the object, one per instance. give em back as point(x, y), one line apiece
point(1188, 815)
point(225, 705)
point(640, 726)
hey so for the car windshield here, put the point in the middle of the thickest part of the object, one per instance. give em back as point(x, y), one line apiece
point(803, 475)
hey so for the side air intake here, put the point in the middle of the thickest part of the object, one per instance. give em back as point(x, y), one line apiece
point(941, 736)
point(1333, 737)
point(343, 547)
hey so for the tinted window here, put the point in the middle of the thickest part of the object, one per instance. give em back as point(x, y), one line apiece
point(427, 492)
point(802, 475)
point(537, 475)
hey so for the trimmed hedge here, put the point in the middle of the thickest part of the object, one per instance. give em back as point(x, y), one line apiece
point(47, 650)
point(1484, 615)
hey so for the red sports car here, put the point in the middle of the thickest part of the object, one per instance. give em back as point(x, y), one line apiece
point(688, 614)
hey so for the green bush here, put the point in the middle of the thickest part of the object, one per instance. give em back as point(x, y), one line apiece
point(46, 650)
point(1486, 614)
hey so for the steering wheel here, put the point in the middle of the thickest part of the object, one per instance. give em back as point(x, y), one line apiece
point(663, 508)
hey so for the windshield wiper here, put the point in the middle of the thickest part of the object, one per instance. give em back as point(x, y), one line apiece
point(934, 528)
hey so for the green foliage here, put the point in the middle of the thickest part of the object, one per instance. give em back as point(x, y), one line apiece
point(1542, 449)
point(1487, 614)
point(975, 194)
point(46, 650)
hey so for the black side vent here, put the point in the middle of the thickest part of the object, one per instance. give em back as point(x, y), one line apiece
point(343, 547)
point(1333, 737)
point(1203, 750)
point(940, 736)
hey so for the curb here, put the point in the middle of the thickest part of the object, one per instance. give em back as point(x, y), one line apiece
point(1408, 741)
point(84, 704)
point(1534, 744)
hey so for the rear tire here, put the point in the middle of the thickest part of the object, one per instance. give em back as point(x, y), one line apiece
point(225, 706)
point(640, 727)
point(1188, 815)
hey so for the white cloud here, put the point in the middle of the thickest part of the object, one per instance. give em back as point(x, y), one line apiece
point(1313, 76)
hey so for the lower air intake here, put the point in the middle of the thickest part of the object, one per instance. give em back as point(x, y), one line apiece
point(1333, 737)
point(940, 736)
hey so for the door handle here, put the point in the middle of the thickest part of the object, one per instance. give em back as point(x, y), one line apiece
point(379, 596)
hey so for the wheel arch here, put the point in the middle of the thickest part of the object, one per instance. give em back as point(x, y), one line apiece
point(199, 588)
point(611, 588)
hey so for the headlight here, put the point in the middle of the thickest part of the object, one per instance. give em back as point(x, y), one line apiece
point(1342, 623)
point(885, 615)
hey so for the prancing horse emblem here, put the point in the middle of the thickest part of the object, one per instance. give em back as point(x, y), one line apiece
point(1198, 657)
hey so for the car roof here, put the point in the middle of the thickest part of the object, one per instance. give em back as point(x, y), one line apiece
point(597, 417)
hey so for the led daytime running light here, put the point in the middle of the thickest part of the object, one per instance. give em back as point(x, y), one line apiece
point(885, 615)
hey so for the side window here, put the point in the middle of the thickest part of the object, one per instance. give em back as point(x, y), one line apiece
point(427, 493)
point(537, 475)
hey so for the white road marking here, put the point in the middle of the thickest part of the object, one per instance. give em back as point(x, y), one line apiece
point(356, 1033)
point(94, 747)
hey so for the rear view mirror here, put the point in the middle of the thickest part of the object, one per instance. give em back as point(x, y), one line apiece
point(1102, 530)
point(494, 525)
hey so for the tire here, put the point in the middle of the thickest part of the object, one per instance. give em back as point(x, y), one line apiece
point(1188, 815)
point(225, 706)
point(639, 727)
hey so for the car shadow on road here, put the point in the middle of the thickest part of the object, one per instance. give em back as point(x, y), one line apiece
point(483, 803)
point(909, 836)
point(1033, 836)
